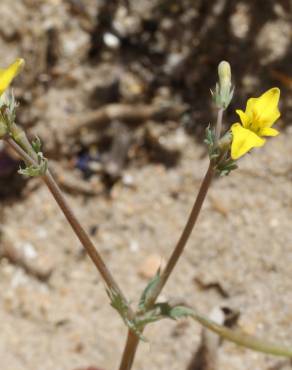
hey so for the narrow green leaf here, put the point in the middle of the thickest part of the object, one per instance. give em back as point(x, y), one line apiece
point(36, 145)
point(151, 286)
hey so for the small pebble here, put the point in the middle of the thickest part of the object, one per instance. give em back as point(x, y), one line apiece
point(150, 266)
point(111, 40)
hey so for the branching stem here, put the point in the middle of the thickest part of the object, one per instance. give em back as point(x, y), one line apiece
point(180, 246)
point(133, 340)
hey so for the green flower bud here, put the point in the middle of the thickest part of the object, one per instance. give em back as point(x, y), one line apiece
point(224, 91)
point(224, 73)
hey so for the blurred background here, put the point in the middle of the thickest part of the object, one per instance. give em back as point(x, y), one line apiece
point(119, 93)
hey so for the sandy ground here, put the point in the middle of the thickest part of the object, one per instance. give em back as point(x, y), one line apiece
point(82, 56)
point(242, 242)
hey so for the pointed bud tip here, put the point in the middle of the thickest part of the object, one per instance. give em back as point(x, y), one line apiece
point(224, 90)
point(20, 62)
point(224, 70)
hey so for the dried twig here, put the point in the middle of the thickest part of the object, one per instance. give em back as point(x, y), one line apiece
point(72, 183)
point(131, 114)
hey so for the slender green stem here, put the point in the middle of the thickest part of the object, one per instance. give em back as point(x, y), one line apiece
point(180, 246)
point(132, 340)
point(81, 233)
point(73, 221)
point(129, 351)
point(243, 339)
point(218, 127)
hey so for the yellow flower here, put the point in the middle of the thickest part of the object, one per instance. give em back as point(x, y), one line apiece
point(257, 121)
point(9, 73)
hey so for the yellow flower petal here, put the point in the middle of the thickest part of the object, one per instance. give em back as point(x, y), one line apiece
point(265, 108)
point(243, 141)
point(8, 74)
point(250, 106)
point(268, 131)
point(244, 118)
